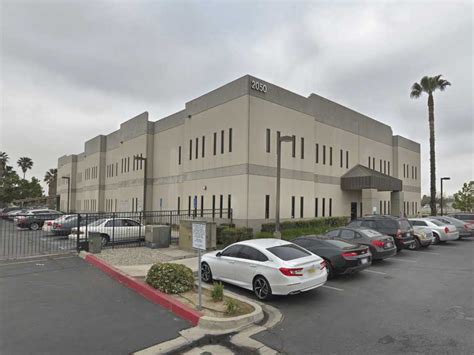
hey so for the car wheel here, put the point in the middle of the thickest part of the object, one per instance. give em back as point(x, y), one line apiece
point(436, 237)
point(262, 288)
point(104, 240)
point(416, 245)
point(329, 269)
point(206, 273)
point(34, 226)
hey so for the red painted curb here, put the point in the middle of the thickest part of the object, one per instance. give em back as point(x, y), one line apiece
point(151, 294)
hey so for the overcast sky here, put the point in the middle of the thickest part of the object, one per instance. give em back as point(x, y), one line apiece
point(71, 70)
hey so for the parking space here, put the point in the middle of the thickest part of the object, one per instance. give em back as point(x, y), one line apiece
point(415, 302)
point(62, 305)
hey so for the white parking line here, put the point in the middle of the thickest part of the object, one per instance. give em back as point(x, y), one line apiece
point(333, 288)
point(427, 252)
point(35, 261)
point(399, 259)
point(375, 272)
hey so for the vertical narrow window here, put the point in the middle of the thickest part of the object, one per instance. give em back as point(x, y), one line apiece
point(229, 206)
point(324, 155)
point(213, 206)
point(221, 205)
point(202, 205)
point(230, 140)
point(403, 170)
point(215, 143)
point(384, 166)
point(341, 163)
point(330, 207)
point(128, 164)
point(195, 203)
point(179, 155)
point(268, 140)
point(301, 206)
point(189, 205)
point(121, 168)
point(267, 206)
point(278, 138)
point(293, 147)
point(347, 159)
point(412, 172)
point(141, 161)
point(116, 168)
point(203, 148)
point(292, 206)
point(385, 207)
point(380, 210)
point(190, 149)
point(388, 167)
point(360, 210)
point(324, 207)
point(197, 148)
point(134, 163)
point(367, 165)
point(388, 207)
point(373, 163)
point(380, 167)
point(317, 153)
point(222, 142)
point(316, 207)
point(302, 148)
point(330, 156)
point(179, 205)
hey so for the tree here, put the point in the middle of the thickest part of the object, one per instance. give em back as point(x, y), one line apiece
point(50, 178)
point(3, 162)
point(464, 198)
point(429, 85)
point(25, 164)
point(425, 200)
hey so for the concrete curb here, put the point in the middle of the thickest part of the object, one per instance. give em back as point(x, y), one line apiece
point(148, 292)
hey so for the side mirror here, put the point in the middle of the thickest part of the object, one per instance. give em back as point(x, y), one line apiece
point(219, 254)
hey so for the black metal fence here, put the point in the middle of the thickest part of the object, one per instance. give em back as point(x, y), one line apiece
point(27, 235)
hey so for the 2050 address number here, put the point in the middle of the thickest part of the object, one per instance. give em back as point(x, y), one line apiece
point(257, 85)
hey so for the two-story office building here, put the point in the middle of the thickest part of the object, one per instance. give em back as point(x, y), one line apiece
point(220, 152)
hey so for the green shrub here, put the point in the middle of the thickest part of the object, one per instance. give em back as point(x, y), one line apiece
point(170, 278)
point(231, 306)
point(217, 292)
point(307, 223)
point(229, 235)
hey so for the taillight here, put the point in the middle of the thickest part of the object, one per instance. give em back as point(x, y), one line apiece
point(291, 271)
point(50, 223)
point(466, 226)
point(377, 243)
point(446, 229)
point(58, 225)
point(322, 265)
point(399, 234)
point(349, 254)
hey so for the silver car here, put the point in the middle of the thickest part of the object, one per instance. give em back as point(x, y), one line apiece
point(442, 232)
point(423, 237)
point(461, 226)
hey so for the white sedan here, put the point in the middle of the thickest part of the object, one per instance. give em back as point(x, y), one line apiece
point(112, 230)
point(266, 266)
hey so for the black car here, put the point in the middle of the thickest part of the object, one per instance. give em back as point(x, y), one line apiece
point(341, 257)
point(380, 246)
point(399, 228)
point(35, 219)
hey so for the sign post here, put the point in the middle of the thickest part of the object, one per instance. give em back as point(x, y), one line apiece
point(199, 243)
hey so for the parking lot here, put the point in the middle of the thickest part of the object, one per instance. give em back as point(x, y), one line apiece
point(416, 302)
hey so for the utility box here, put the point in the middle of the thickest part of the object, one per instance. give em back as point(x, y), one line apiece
point(95, 242)
point(186, 234)
point(157, 236)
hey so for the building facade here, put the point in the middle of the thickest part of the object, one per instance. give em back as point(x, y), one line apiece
point(220, 152)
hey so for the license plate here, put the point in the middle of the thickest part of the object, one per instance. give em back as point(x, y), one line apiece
point(311, 270)
point(389, 245)
point(364, 261)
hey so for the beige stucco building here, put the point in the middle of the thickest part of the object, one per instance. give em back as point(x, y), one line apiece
point(220, 151)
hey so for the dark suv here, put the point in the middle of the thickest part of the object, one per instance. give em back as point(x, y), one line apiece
point(398, 228)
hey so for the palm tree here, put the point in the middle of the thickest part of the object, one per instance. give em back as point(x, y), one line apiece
point(3, 162)
point(50, 179)
point(25, 164)
point(429, 85)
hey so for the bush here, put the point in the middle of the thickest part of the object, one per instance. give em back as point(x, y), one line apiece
point(170, 278)
point(229, 235)
point(231, 306)
point(308, 223)
point(217, 292)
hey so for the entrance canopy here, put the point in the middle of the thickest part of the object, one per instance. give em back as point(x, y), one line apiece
point(361, 177)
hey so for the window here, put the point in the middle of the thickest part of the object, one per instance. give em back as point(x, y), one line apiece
point(360, 210)
point(333, 233)
point(268, 140)
point(222, 142)
point(316, 207)
point(232, 251)
point(388, 207)
point(380, 169)
point(373, 163)
point(301, 206)
point(330, 207)
point(230, 140)
point(288, 252)
point(367, 165)
point(324, 155)
point(384, 166)
point(229, 206)
point(213, 206)
point(267, 206)
point(324, 207)
point(330, 156)
point(141, 161)
point(179, 205)
point(203, 148)
point(340, 158)
point(190, 149)
point(116, 168)
point(189, 205)
point(128, 164)
point(215, 143)
point(347, 234)
point(250, 253)
point(388, 168)
point(202, 206)
point(195, 205)
point(221, 205)
point(179, 155)
point(385, 207)
point(416, 173)
point(302, 148)
point(293, 147)
point(412, 172)
point(380, 210)
point(292, 206)
point(197, 148)
point(317, 153)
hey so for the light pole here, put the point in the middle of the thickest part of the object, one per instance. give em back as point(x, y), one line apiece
point(138, 158)
point(277, 233)
point(68, 190)
point(441, 200)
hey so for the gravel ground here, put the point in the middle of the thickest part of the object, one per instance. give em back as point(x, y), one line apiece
point(143, 255)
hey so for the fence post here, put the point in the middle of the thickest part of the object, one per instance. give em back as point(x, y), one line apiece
point(78, 234)
point(171, 218)
point(113, 229)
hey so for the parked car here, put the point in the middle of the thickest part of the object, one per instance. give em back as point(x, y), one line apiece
point(341, 257)
point(112, 230)
point(65, 226)
point(398, 228)
point(48, 224)
point(466, 217)
point(34, 219)
point(6, 210)
point(423, 237)
point(13, 214)
point(381, 246)
point(442, 232)
point(462, 227)
point(266, 266)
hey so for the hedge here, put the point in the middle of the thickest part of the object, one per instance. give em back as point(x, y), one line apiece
point(228, 235)
point(170, 278)
point(307, 223)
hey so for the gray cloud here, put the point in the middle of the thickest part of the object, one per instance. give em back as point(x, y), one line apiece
point(73, 69)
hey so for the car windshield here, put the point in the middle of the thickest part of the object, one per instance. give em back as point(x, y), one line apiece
point(436, 222)
point(98, 222)
point(371, 233)
point(288, 252)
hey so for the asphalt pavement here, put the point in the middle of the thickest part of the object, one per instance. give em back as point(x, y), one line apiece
point(417, 302)
point(62, 305)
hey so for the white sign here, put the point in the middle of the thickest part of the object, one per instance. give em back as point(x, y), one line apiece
point(259, 86)
point(199, 236)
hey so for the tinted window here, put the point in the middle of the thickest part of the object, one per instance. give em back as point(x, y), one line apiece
point(130, 223)
point(404, 224)
point(369, 224)
point(355, 224)
point(232, 251)
point(437, 223)
point(389, 224)
point(339, 244)
point(251, 254)
point(114, 223)
point(288, 252)
point(347, 234)
point(333, 234)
